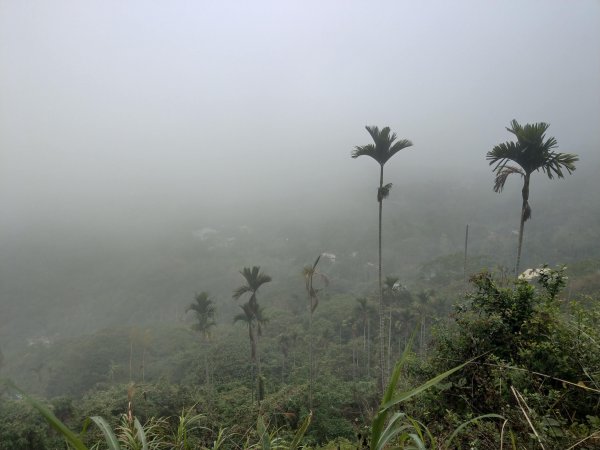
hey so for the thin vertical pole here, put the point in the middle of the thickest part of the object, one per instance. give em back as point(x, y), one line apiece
point(466, 245)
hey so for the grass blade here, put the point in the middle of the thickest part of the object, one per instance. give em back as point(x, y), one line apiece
point(140, 433)
point(109, 436)
point(379, 421)
point(468, 422)
point(300, 433)
point(432, 382)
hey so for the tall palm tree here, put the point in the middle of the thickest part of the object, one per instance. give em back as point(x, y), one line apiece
point(204, 312)
point(254, 318)
point(253, 313)
point(309, 273)
point(385, 146)
point(531, 152)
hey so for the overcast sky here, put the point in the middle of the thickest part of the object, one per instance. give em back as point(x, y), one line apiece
point(109, 107)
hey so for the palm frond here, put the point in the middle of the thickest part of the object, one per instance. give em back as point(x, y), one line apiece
point(557, 161)
point(309, 272)
point(247, 316)
point(238, 292)
point(385, 145)
point(364, 150)
point(526, 212)
point(383, 192)
point(502, 175)
point(532, 151)
point(503, 153)
point(254, 278)
point(515, 127)
point(316, 261)
point(241, 318)
point(373, 130)
point(400, 145)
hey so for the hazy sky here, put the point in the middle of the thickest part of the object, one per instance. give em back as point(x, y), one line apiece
point(119, 108)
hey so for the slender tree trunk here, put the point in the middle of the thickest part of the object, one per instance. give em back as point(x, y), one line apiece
point(421, 335)
point(258, 373)
point(143, 363)
point(524, 217)
point(130, 359)
point(206, 370)
point(252, 357)
point(354, 359)
point(310, 356)
point(465, 262)
point(389, 343)
point(368, 348)
point(381, 318)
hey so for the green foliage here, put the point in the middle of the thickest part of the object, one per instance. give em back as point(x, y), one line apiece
point(52, 420)
point(396, 428)
point(23, 428)
point(535, 342)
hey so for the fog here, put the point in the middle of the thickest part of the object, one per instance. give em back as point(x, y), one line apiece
point(149, 120)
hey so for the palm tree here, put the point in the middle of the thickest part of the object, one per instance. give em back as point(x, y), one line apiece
point(204, 313)
point(253, 313)
point(385, 146)
point(254, 318)
point(309, 273)
point(254, 280)
point(532, 152)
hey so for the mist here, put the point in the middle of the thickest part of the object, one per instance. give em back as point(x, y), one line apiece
point(150, 150)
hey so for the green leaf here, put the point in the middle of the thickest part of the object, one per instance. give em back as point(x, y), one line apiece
point(300, 433)
point(51, 419)
point(432, 382)
point(468, 422)
point(141, 434)
point(109, 436)
point(379, 421)
point(264, 435)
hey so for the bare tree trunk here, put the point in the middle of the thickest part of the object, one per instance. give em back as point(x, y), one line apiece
point(130, 358)
point(525, 213)
point(368, 348)
point(354, 359)
point(310, 357)
point(465, 262)
point(389, 343)
point(206, 369)
point(252, 358)
point(258, 373)
point(381, 318)
point(143, 363)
